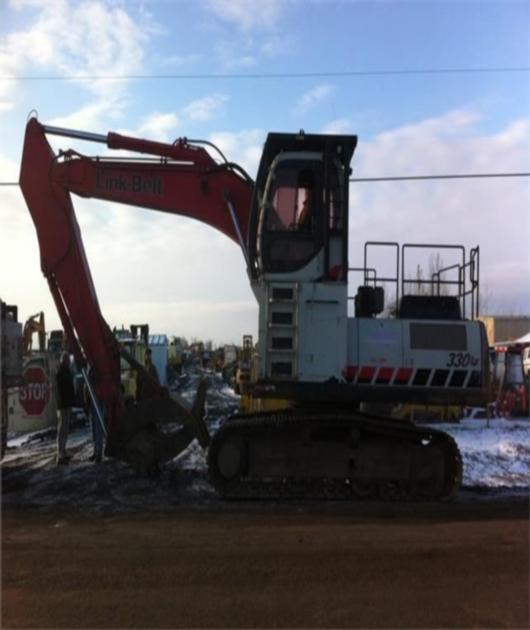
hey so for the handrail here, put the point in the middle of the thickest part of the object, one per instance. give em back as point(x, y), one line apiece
point(466, 282)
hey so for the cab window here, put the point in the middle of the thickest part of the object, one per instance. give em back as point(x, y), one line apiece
point(292, 219)
point(293, 201)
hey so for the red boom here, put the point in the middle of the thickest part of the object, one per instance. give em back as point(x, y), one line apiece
point(186, 181)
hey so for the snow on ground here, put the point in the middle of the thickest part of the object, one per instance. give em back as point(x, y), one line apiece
point(495, 453)
point(496, 458)
point(30, 476)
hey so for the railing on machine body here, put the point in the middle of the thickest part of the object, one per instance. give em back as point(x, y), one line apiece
point(466, 282)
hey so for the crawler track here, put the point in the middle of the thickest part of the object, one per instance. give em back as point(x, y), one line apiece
point(296, 454)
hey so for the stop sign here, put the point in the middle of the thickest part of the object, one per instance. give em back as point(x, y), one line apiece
point(35, 395)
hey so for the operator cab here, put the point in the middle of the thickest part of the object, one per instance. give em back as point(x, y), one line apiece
point(300, 205)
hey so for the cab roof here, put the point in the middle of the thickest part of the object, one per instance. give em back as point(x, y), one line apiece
point(339, 146)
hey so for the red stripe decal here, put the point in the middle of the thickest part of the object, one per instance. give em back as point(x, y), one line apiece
point(349, 372)
point(366, 374)
point(384, 375)
point(403, 375)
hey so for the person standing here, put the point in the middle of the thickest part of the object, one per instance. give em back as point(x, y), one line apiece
point(65, 401)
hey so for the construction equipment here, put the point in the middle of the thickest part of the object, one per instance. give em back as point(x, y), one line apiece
point(34, 324)
point(292, 226)
point(56, 343)
point(243, 370)
point(33, 405)
point(175, 355)
point(526, 361)
point(134, 340)
point(509, 380)
point(11, 362)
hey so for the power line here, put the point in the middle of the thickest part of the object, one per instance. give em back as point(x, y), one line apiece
point(421, 177)
point(266, 75)
point(405, 177)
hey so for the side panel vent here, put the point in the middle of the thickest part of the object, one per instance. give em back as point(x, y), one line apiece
point(282, 343)
point(279, 317)
point(281, 368)
point(282, 293)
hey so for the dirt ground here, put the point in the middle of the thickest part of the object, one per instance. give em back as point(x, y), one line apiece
point(269, 565)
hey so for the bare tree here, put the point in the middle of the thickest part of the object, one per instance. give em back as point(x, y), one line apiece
point(421, 288)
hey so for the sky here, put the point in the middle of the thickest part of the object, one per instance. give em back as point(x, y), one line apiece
point(183, 277)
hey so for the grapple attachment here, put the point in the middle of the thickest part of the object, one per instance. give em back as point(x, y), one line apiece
point(154, 431)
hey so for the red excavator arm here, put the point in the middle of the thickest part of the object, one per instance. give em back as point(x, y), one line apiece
point(182, 179)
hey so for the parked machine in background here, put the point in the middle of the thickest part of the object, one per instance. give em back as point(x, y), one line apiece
point(134, 341)
point(35, 324)
point(509, 380)
point(327, 366)
point(228, 364)
point(176, 349)
point(11, 362)
point(32, 405)
point(244, 367)
point(526, 361)
point(56, 343)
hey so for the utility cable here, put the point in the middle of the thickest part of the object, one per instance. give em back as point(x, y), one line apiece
point(268, 75)
point(404, 177)
point(422, 177)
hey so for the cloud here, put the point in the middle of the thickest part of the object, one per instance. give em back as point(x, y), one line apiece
point(275, 45)
point(206, 107)
point(178, 274)
point(313, 97)
point(492, 213)
point(6, 106)
point(181, 60)
point(233, 55)
point(247, 15)
point(22, 282)
point(89, 117)
point(75, 39)
point(219, 320)
point(162, 126)
point(159, 126)
point(338, 126)
point(175, 273)
point(244, 147)
point(258, 32)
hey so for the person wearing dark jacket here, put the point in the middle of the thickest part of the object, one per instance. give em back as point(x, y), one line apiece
point(65, 401)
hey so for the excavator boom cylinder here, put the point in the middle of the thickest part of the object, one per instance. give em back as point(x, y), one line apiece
point(72, 133)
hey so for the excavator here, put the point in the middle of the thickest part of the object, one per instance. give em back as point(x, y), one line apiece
point(330, 370)
point(34, 324)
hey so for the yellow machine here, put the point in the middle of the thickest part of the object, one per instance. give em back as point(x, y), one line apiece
point(34, 324)
point(135, 341)
point(245, 375)
point(175, 354)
